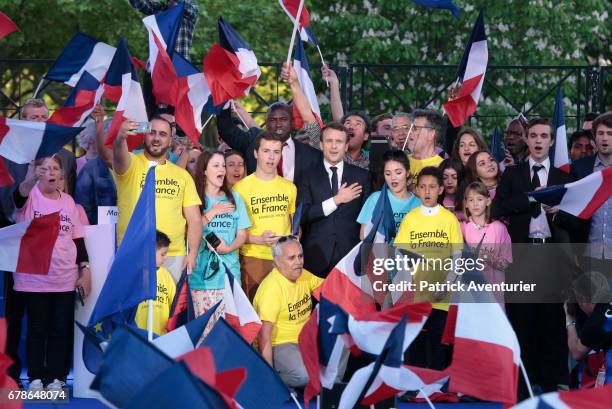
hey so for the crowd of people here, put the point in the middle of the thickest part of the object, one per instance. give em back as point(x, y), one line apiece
point(231, 209)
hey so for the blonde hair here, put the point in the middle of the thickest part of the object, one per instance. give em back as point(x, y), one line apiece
point(478, 188)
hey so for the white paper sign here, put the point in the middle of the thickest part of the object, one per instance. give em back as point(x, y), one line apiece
point(108, 214)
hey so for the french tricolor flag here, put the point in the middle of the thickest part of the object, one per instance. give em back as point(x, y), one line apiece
point(291, 7)
point(25, 141)
point(560, 156)
point(596, 398)
point(122, 82)
point(581, 198)
point(239, 312)
point(300, 63)
point(82, 100)
point(230, 66)
point(7, 26)
point(471, 74)
point(82, 53)
point(27, 247)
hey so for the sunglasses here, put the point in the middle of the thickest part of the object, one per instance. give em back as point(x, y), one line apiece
point(287, 238)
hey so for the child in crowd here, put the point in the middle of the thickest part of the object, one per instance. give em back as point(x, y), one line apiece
point(452, 176)
point(397, 176)
point(496, 247)
point(166, 290)
point(483, 167)
point(434, 233)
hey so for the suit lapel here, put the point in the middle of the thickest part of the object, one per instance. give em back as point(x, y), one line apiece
point(325, 179)
point(526, 175)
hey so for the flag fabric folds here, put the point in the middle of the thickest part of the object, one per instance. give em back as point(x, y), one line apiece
point(290, 7)
point(497, 146)
point(5, 176)
point(121, 85)
point(596, 398)
point(20, 242)
point(25, 141)
point(560, 155)
point(581, 198)
point(132, 276)
point(82, 53)
point(471, 73)
point(300, 63)
point(239, 311)
point(82, 100)
point(231, 351)
point(441, 4)
point(181, 310)
point(7, 26)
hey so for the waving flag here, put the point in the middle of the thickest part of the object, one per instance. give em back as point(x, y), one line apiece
point(82, 53)
point(497, 146)
point(471, 73)
point(560, 155)
point(596, 398)
point(5, 176)
point(230, 66)
point(239, 311)
point(19, 242)
point(290, 7)
point(484, 344)
point(300, 63)
point(132, 276)
point(441, 4)
point(231, 351)
point(121, 84)
point(581, 198)
point(6, 25)
point(81, 102)
point(25, 141)
point(181, 310)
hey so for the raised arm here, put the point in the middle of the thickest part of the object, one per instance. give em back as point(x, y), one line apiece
point(300, 101)
point(334, 93)
point(104, 152)
point(121, 154)
point(231, 134)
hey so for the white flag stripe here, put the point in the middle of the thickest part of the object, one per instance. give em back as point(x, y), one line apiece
point(97, 64)
point(10, 241)
point(477, 65)
point(22, 141)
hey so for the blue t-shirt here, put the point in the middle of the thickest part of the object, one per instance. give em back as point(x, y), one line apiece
point(400, 207)
point(225, 226)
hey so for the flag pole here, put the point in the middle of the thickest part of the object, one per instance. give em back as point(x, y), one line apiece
point(150, 320)
point(238, 114)
point(322, 63)
point(524, 372)
point(207, 121)
point(40, 83)
point(297, 403)
point(431, 405)
point(296, 24)
point(407, 136)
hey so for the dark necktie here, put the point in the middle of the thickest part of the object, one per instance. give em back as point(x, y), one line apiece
point(279, 167)
point(536, 208)
point(334, 180)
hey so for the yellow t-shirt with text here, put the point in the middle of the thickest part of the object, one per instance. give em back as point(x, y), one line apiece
point(417, 164)
point(286, 304)
point(269, 204)
point(166, 290)
point(174, 190)
point(436, 235)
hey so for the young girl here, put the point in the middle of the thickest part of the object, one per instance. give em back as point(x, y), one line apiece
point(397, 176)
point(468, 142)
point(224, 214)
point(482, 167)
point(496, 247)
point(235, 166)
point(452, 171)
point(50, 295)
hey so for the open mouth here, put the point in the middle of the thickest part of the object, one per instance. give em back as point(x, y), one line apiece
point(537, 148)
point(351, 134)
point(394, 184)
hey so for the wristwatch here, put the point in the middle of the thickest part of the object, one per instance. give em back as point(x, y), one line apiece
point(569, 324)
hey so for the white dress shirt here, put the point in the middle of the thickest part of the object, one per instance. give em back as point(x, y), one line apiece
point(538, 227)
point(329, 206)
point(288, 153)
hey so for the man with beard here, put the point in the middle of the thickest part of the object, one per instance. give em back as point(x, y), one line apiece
point(176, 199)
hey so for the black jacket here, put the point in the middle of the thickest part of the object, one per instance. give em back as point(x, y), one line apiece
point(340, 229)
point(581, 169)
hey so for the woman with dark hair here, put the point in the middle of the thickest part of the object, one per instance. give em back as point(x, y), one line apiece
point(50, 294)
point(396, 168)
point(225, 222)
point(452, 172)
point(468, 142)
point(235, 165)
point(482, 167)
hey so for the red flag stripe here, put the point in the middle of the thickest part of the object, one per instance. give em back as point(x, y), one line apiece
point(37, 245)
point(7, 26)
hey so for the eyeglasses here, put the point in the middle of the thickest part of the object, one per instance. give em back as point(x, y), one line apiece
point(398, 129)
point(418, 128)
point(287, 238)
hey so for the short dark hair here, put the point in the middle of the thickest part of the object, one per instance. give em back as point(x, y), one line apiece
point(361, 115)
point(452, 163)
point(540, 121)
point(380, 118)
point(164, 109)
point(337, 126)
point(158, 117)
point(603, 119)
point(161, 240)
point(583, 133)
point(282, 106)
point(590, 116)
point(266, 135)
point(435, 120)
point(396, 155)
point(431, 171)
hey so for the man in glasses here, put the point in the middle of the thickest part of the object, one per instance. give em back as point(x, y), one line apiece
point(400, 126)
point(284, 303)
point(427, 128)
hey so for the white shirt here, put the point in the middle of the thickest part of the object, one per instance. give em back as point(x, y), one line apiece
point(288, 153)
point(430, 211)
point(329, 206)
point(538, 227)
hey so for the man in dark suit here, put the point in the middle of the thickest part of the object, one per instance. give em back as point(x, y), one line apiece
point(297, 158)
point(539, 324)
point(332, 195)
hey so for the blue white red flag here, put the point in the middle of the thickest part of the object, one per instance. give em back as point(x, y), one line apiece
point(581, 198)
point(300, 63)
point(82, 53)
point(82, 100)
point(596, 398)
point(290, 7)
point(239, 311)
point(24, 141)
point(560, 156)
point(471, 73)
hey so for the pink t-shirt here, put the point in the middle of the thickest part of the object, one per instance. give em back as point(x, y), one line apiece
point(63, 270)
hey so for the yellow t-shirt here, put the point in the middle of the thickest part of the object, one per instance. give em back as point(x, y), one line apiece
point(417, 164)
point(286, 304)
point(434, 233)
point(269, 204)
point(174, 190)
point(166, 289)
